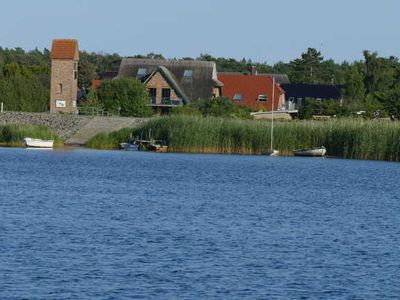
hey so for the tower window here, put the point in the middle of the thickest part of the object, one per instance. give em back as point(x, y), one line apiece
point(75, 75)
point(60, 87)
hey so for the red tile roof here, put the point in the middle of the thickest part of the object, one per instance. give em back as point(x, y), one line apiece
point(64, 49)
point(96, 84)
point(250, 87)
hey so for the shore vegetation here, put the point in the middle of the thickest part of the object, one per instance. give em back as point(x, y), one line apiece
point(344, 138)
point(13, 135)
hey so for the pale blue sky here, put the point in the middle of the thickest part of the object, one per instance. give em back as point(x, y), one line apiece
point(263, 30)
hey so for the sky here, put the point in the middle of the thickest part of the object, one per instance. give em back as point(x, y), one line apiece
point(261, 30)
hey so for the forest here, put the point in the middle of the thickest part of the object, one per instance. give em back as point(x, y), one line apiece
point(370, 84)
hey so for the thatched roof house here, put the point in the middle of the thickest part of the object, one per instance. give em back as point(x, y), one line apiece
point(188, 79)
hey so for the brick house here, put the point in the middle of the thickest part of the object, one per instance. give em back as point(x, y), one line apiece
point(173, 82)
point(64, 76)
point(253, 90)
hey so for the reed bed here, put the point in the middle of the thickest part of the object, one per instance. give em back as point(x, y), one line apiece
point(13, 135)
point(346, 138)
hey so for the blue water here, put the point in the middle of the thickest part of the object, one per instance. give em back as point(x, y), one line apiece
point(120, 225)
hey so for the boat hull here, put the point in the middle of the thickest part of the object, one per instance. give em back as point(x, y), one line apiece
point(131, 147)
point(270, 152)
point(38, 143)
point(316, 152)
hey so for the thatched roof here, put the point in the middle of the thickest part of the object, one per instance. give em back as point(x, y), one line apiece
point(279, 78)
point(198, 85)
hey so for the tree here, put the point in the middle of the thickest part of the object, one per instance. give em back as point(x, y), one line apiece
point(86, 73)
point(125, 96)
point(307, 68)
point(354, 87)
point(380, 73)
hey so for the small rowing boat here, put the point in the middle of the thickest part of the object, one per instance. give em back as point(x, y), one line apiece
point(316, 152)
point(38, 143)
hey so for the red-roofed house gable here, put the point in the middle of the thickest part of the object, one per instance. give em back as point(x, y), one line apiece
point(64, 49)
point(254, 91)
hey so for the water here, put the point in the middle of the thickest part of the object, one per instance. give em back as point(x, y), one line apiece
point(122, 225)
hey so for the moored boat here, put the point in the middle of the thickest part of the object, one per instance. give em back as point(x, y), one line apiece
point(316, 152)
point(158, 146)
point(131, 147)
point(270, 152)
point(38, 143)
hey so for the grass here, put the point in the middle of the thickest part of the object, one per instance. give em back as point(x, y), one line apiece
point(13, 135)
point(347, 138)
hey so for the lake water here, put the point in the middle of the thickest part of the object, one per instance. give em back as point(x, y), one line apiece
point(87, 224)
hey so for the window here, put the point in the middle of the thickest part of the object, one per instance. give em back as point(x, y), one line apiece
point(262, 98)
point(291, 99)
point(59, 88)
point(238, 97)
point(153, 95)
point(75, 75)
point(75, 66)
point(166, 94)
point(141, 72)
point(188, 73)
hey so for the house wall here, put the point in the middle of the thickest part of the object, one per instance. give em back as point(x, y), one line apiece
point(158, 82)
point(253, 103)
point(62, 72)
point(216, 92)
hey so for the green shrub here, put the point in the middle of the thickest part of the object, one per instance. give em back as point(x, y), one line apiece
point(124, 96)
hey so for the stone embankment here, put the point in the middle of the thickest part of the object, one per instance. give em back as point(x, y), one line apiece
point(72, 129)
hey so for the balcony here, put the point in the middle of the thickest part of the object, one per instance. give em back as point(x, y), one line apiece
point(291, 106)
point(165, 102)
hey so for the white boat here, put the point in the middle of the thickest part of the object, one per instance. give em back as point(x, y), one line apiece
point(38, 143)
point(270, 152)
point(317, 152)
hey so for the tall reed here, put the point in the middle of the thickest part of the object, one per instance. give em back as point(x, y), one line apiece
point(347, 138)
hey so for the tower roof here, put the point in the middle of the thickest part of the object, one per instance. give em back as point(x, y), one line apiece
point(64, 49)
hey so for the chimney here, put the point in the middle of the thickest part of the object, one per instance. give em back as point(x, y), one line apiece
point(254, 71)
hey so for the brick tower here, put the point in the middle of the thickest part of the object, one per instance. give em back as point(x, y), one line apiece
point(64, 76)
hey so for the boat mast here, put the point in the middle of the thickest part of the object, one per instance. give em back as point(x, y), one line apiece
point(272, 114)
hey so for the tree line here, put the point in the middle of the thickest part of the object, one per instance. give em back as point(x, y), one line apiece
point(370, 84)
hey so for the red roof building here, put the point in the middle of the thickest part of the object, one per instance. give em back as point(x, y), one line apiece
point(253, 91)
point(96, 84)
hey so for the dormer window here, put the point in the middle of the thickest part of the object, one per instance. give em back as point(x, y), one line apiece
point(262, 98)
point(141, 72)
point(188, 73)
point(238, 97)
